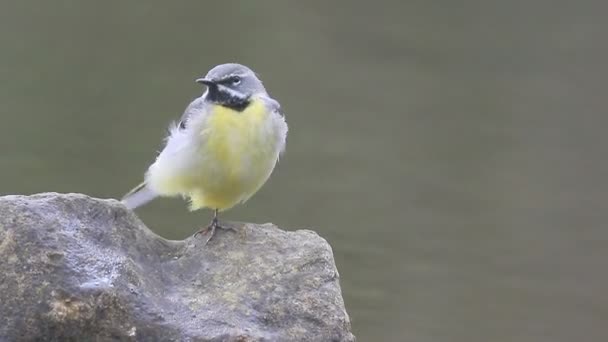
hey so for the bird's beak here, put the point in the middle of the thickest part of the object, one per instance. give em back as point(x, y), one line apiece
point(206, 81)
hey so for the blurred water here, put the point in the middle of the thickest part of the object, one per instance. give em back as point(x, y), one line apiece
point(452, 153)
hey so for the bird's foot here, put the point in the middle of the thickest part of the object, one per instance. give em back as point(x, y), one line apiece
point(209, 231)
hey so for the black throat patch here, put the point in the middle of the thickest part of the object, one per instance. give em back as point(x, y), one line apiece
point(227, 99)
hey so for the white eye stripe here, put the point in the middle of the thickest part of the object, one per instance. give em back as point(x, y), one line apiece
point(231, 92)
point(234, 79)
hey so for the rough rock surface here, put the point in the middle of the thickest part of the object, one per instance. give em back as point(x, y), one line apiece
point(75, 268)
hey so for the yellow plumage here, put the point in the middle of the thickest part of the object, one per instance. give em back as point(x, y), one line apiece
point(232, 156)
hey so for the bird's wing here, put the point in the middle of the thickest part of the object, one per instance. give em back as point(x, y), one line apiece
point(142, 193)
point(273, 105)
point(194, 107)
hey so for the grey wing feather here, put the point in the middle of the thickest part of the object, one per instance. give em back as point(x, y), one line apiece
point(142, 194)
point(273, 105)
point(192, 108)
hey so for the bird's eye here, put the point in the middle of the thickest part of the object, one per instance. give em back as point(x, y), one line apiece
point(236, 80)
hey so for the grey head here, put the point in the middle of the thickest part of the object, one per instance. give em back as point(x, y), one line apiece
point(232, 85)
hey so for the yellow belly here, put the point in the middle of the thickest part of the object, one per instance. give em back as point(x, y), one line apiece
point(237, 157)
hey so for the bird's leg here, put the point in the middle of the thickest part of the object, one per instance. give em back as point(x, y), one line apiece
point(210, 229)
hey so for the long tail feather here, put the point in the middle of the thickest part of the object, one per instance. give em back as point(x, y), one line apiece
point(139, 196)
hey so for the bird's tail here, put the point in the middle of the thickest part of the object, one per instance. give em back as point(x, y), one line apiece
point(139, 196)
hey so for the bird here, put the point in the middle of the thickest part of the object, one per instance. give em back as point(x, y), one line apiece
point(222, 150)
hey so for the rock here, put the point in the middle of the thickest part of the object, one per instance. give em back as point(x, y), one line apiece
point(75, 268)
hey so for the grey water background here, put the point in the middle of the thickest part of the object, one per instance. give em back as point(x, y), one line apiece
point(452, 153)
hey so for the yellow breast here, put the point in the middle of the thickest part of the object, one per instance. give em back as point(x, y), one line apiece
point(238, 155)
point(233, 135)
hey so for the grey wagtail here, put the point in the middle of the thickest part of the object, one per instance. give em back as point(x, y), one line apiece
point(223, 149)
